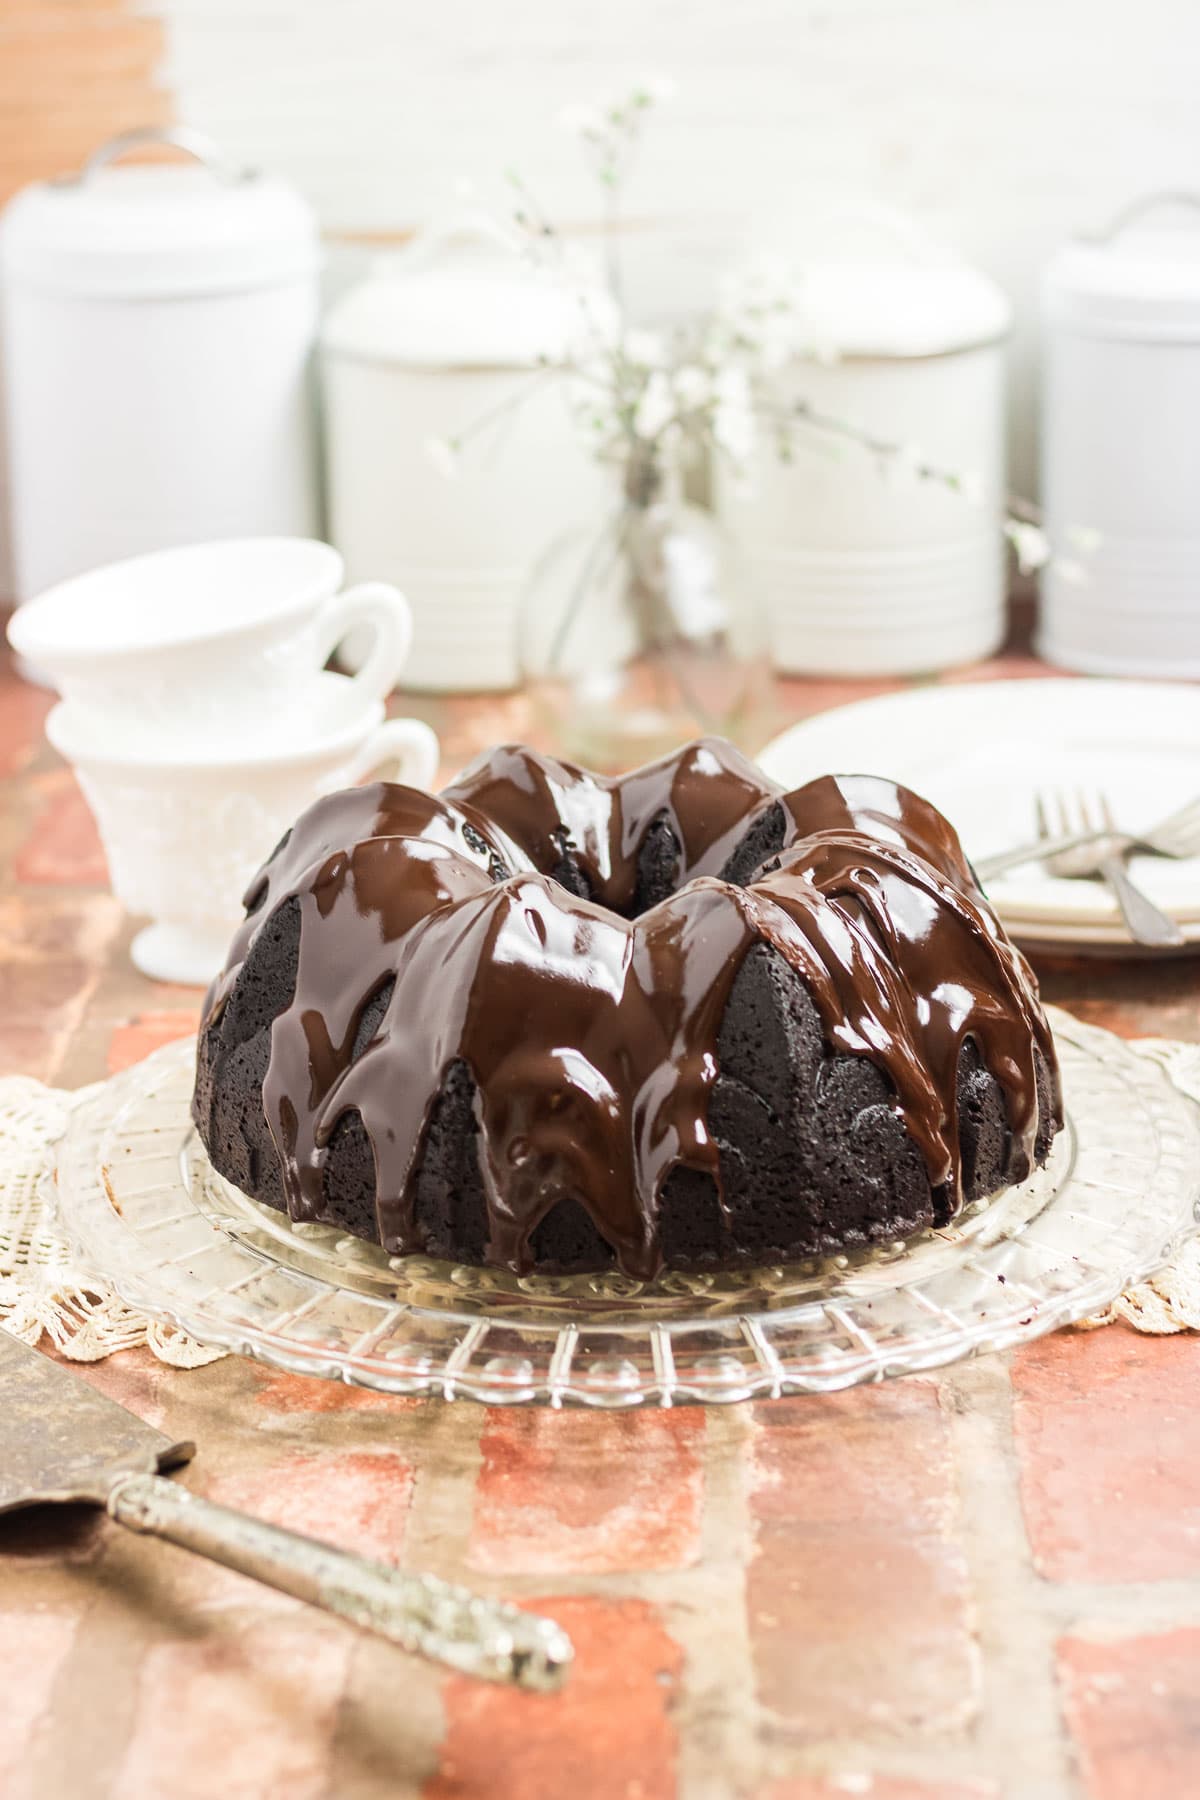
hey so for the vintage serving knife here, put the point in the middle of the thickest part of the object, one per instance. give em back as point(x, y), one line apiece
point(62, 1441)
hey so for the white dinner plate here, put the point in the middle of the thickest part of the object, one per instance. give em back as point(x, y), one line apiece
point(981, 750)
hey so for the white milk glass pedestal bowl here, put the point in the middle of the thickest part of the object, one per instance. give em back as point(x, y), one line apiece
point(184, 835)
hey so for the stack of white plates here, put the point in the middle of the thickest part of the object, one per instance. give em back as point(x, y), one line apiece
point(982, 750)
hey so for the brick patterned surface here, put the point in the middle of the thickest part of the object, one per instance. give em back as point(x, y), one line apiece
point(1108, 1435)
point(105, 55)
point(609, 1736)
point(63, 848)
point(299, 1396)
point(51, 958)
point(360, 1497)
point(33, 1648)
point(149, 1031)
point(801, 1601)
point(857, 1586)
point(847, 1783)
point(592, 1495)
point(21, 721)
point(357, 1499)
point(1132, 1707)
point(248, 1716)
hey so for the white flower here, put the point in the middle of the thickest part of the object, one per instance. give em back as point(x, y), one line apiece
point(1030, 543)
point(594, 413)
point(760, 308)
point(644, 348)
point(581, 121)
point(659, 88)
point(774, 344)
point(733, 416)
point(656, 408)
point(599, 687)
point(768, 280)
point(691, 581)
point(693, 387)
point(443, 455)
point(1071, 571)
point(1084, 538)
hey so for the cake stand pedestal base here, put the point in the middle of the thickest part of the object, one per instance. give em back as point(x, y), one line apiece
point(179, 954)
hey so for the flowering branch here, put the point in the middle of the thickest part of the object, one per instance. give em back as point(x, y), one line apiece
point(640, 398)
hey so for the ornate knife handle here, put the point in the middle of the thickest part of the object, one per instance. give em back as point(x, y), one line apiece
point(430, 1617)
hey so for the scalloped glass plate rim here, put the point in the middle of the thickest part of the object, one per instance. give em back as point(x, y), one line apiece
point(833, 1339)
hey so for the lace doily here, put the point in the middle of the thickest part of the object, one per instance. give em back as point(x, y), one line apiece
point(1170, 1300)
point(43, 1289)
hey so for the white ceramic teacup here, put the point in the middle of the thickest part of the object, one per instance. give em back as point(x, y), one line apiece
point(211, 641)
point(185, 837)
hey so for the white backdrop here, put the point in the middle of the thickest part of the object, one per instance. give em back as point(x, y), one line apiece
point(1001, 125)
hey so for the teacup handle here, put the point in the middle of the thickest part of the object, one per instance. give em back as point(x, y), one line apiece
point(383, 610)
point(408, 743)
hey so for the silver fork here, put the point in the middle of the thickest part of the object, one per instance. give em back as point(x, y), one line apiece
point(1178, 835)
point(1058, 815)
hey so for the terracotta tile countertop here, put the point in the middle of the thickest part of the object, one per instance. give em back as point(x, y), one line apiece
point(981, 1583)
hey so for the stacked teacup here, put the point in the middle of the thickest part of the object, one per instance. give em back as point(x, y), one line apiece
point(200, 719)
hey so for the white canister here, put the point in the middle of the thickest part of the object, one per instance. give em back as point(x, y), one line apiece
point(158, 324)
point(440, 343)
point(1121, 445)
point(860, 571)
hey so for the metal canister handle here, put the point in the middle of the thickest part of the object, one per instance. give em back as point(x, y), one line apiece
point(920, 249)
point(180, 137)
point(1129, 215)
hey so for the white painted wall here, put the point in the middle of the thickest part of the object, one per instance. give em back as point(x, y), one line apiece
point(1001, 125)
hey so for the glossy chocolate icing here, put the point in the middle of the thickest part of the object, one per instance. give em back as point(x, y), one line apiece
point(591, 1036)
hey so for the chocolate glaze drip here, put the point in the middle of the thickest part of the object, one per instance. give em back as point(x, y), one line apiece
point(591, 1037)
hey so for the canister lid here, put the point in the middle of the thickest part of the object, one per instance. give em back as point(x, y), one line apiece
point(870, 283)
point(1140, 278)
point(157, 229)
point(463, 295)
point(893, 309)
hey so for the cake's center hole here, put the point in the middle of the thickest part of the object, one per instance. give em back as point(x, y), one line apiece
point(660, 864)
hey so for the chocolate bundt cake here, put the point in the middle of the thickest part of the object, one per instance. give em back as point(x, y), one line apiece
point(550, 1021)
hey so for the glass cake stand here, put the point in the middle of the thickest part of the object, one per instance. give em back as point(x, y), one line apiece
point(1121, 1190)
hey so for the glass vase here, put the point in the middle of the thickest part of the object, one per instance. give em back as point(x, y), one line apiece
point(630, 638)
